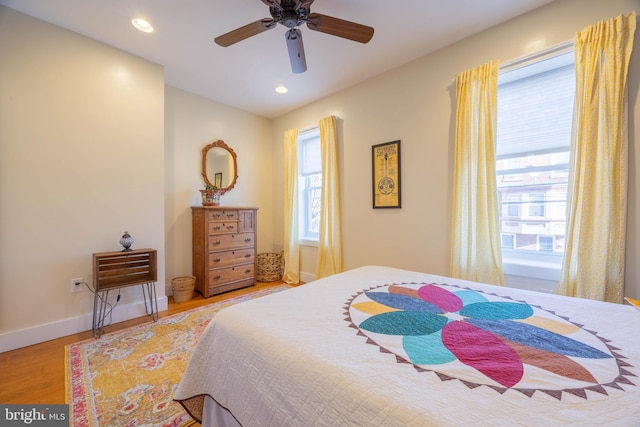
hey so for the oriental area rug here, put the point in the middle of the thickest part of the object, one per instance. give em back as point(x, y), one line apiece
point(128, 377)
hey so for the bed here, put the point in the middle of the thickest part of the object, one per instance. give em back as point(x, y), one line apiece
point(379, 346)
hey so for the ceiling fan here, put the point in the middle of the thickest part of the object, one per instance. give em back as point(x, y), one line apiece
point(292, 14)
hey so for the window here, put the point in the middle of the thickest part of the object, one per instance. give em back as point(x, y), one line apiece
point(535, 110)
point(545, 243)
point(309, 186)
point(508, 240)
point(536, 204)
point(510, 205)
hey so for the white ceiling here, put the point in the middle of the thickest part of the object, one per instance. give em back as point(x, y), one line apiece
point(245, 74)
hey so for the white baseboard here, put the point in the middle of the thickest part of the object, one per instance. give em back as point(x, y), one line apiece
point(307, 277)
point(73, 325)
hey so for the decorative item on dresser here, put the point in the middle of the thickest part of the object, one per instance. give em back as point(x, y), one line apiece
point(224, 248)
point(210, 195)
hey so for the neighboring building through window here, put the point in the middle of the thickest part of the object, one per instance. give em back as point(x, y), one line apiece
point(309, 186)
point(535, 110)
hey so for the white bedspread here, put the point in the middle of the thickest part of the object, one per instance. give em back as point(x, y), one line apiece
point(299, 358)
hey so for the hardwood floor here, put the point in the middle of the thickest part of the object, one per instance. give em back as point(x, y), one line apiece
point(36, 374)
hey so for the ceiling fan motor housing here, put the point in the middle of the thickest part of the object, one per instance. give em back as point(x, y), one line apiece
point(290, 13)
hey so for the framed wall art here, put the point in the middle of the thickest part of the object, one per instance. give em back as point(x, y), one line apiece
point(385, 160)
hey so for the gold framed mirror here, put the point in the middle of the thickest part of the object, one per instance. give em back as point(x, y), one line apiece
point(219, 166)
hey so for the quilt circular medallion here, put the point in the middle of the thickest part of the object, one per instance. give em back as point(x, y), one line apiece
point(488, 340)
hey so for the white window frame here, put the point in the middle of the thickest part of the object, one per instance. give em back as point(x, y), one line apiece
point(306, 238)
point(538, 265)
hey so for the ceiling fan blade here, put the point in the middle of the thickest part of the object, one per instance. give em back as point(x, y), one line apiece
point(245, 32)
point(296, 51)
point(340, 27)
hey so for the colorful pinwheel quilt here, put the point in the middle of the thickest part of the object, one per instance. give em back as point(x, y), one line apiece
point(488, 340)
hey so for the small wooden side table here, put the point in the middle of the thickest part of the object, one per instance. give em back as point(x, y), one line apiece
point(114, 270)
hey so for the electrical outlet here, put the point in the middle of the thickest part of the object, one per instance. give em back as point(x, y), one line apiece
point(77, 285)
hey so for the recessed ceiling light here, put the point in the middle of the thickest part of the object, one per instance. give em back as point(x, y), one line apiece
point(142, 25)
point(282, 89)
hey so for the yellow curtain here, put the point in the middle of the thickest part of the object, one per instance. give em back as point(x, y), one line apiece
point(291, 247)
point(330, 240)
point(476, 252)
point(596, 223)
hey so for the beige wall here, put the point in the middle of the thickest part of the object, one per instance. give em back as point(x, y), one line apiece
point(113, 149)
point(191, 122)
point(415, 103)
point(81, 161)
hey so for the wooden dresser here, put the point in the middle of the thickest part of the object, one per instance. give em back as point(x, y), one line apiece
point(224, 248)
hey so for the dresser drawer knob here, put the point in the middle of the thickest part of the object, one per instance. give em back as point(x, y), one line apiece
point(217, 277)
point(247, 240)
point(217, 242)
point(217, 227)
point(217, 260)
point(247, 255)
point(230, 227)
point(217, 215)
point(230, 215)
point(247, 271)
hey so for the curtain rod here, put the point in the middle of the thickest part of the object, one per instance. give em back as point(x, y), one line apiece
point(558, 49)
point(533, 57)
point(312, 127)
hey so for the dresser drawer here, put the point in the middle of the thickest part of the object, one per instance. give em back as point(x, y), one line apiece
point(231, 241)
point(222, 227)
point(223, 215)
point(230, 274)
point(226, 258)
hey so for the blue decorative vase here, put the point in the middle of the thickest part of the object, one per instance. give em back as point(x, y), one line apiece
point(126, 241)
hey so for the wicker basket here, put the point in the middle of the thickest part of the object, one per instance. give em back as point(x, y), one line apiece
point(182, 288)
point(269, 267)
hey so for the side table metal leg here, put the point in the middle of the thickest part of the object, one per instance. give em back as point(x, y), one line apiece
point(152, 309)
point(98, 319)
point(95, 313)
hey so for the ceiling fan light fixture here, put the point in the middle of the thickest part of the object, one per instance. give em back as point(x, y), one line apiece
point(296, 51)
point(142, 25)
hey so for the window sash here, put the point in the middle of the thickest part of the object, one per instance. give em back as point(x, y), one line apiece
point(310, 162)
point(311, 218)
point(532, 162)
point(310, 185)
